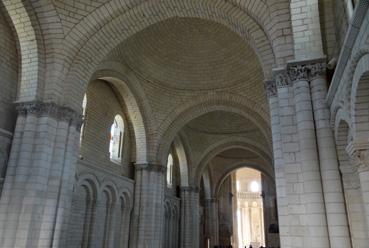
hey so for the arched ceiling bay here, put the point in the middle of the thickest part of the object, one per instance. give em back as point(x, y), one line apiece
point(191, 54)
point(221, 122)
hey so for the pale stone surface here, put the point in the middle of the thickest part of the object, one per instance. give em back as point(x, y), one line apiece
point(187, 78)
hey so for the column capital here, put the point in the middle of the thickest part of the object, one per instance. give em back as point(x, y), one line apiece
point(151, 167)
point(51, 109)
point(281, 78)
point(193, 189)
point(298, 72)
point(359, 152)
point(317, 69)
point(306, 69)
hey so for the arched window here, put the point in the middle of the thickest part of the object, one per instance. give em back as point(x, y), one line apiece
point(116, 139)
point(84, 104)
point(170, 170)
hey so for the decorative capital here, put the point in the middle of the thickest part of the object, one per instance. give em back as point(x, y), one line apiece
point(317, 69)
point(50, 109)
point(306, 69)
point(282, 79)
point(359, 153)
point(151, 167)
point(298, 72)
point(270, 88)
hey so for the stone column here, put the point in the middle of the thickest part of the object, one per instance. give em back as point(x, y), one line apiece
point(280, 179)
point(37, 191)
point(211, 220)
point(360, 155)
point(148, 211)
point(5, 144)
point(339, 235)
point(190, 219)
point(314, 221)
point(125, 230)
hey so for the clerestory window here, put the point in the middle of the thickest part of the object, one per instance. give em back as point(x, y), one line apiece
point(116, 139)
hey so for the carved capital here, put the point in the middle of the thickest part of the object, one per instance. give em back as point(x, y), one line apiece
point(317, 69)
point(306, 69)
point(270, 88)
point(50, 109)
point(150, 167)
point(282, 79)
point(298, 72)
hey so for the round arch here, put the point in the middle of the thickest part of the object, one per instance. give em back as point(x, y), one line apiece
point(223, 145)
point(212, 102)
point(207, 184)
point(359, 101)
point(132, 96)
point(182, 159)
point(31, 48)
point(80, 62)
point(238, 165)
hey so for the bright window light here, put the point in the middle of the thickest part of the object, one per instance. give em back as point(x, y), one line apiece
point(254, 186)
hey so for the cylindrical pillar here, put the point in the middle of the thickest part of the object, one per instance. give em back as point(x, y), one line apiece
point(359, 154)
point(212, 224)
point(338, 230)
point(148, 211)
point(315, 233)
point(36, 198)
point(190, 219)
point(280, 179)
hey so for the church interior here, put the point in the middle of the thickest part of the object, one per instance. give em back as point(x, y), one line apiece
point(184, 123)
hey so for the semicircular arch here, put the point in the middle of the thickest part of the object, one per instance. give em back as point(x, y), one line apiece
point(213, 102)
point(137, 108)
point(82, 62)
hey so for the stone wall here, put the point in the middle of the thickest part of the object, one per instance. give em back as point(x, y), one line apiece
point(9, 85)
point(102, 106)
point(101, 208)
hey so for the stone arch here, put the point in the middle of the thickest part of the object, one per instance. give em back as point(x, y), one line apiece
point(80, 62)
point(212, 102)
point(108, 200)
point(225, 144)
point(182, 160)
point(90, 184)
point(31, 48)
point(351, 183)
point(111, 188)
point(341, 119)
point(123, 224)
point(359, 101)
point(138, 113)
point(349, 77)
point(89, 181)
point(342, 135)
point(238, 165)
point(127, 198)
point(207, 184)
